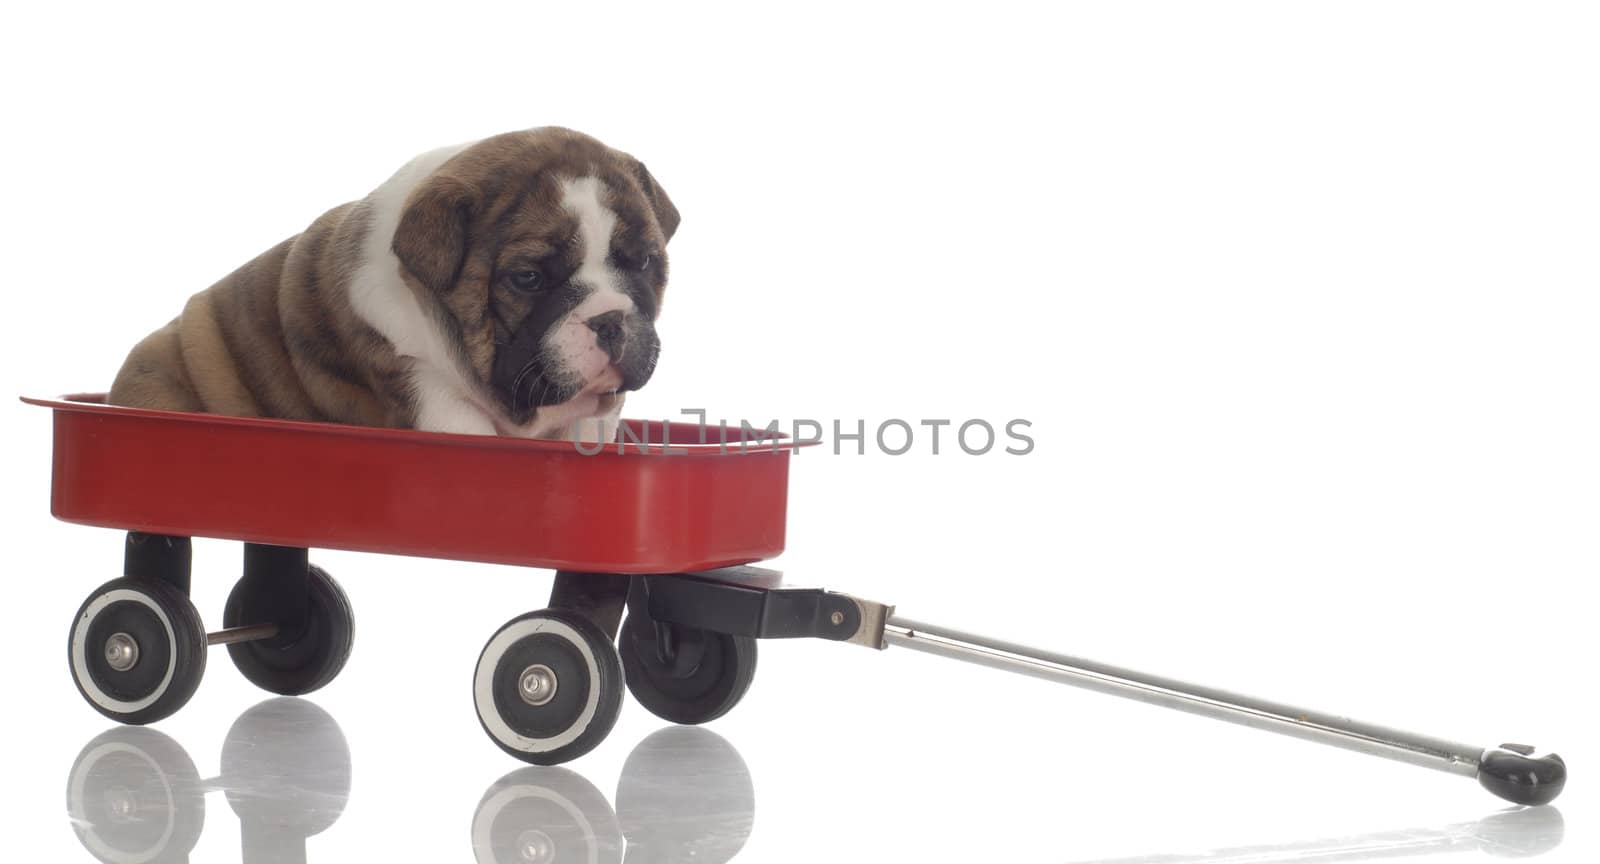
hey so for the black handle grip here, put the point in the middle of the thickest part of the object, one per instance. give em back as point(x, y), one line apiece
point(1520, 775)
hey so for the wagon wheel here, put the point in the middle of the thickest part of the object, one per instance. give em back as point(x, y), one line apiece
point(300, 658)
point(137, 650)
point(548, 686)
point(685, 675)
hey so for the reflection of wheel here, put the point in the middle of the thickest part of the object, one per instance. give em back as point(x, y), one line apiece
point(548, 686)
point(545, 815)
point(705, 676)
point(137, 650)
point(134, 797)
point(286, 766)
point(685, 795)
point(300, 659)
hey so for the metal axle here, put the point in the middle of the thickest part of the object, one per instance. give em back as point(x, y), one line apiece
point(251, 633)
point(1512, 771)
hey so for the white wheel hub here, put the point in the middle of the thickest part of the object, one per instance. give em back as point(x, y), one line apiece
point(533, 684)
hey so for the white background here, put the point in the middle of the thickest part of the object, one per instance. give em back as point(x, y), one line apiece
point(1300, 299)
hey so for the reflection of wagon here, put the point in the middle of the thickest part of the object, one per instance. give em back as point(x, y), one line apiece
point(134, 795)
point(659, 528)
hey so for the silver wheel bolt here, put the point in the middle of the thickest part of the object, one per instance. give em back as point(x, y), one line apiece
point(121, 652)
point(537, 685)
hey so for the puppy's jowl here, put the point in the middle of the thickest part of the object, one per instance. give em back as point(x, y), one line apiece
point(509, 286)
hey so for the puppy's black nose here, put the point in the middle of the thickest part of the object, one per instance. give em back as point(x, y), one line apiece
point(608, 333)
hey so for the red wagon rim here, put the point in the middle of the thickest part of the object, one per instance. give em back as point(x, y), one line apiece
point(744, 440)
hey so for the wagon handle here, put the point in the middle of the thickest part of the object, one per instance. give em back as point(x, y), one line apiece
point(1515, 772)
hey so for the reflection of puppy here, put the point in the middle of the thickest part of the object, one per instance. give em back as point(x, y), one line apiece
point(508, 286)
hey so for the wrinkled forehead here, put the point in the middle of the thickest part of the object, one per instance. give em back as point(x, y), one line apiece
point(542, 195)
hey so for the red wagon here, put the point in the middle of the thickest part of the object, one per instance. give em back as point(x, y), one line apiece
point(660, 527)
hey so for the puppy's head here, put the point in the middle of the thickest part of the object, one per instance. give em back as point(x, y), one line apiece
point(544, 251)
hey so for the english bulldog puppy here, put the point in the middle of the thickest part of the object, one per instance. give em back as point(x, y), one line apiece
point(508, 286)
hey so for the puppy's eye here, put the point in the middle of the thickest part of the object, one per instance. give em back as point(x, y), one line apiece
point(626, 261)
point(527, 281)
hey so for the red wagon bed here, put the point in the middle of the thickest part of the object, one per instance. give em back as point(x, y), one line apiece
point(673, 504)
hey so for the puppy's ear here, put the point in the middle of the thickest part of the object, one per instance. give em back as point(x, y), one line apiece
point(431, 241)
point(666, 214)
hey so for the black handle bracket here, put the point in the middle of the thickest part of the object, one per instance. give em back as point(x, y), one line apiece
point(744, 601)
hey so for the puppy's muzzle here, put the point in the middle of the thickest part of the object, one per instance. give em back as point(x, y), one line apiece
point(630, 343)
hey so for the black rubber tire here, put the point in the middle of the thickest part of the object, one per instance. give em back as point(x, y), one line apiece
point(584, 664)
point(171, 642)
point(292, 663)
point(545, 814)
point(133, 795)
point(699, 694)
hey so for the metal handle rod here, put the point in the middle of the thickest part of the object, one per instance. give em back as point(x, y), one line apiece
point(1193, 698)
point(1512, 771)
